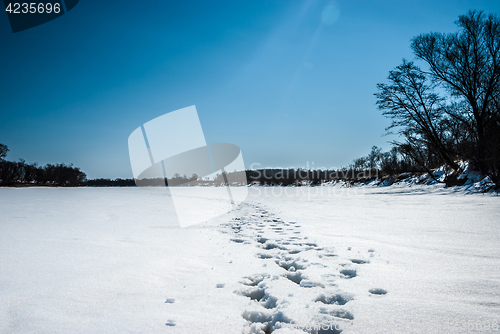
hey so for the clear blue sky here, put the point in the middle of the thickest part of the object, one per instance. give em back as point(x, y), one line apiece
point(290, 82)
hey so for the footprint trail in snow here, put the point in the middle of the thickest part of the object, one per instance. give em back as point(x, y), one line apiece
point(297, 275)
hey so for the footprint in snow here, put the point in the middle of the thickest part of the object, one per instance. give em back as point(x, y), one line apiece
point(359, 261)
point(333, 299)
point(377, 291)
point(348, 273)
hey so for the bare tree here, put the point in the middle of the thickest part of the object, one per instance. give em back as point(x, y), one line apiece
point(467, 65)
point(3, 151)
point(374, 157)
point(418, 114)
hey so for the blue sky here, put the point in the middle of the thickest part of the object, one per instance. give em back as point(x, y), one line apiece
point(290, 82)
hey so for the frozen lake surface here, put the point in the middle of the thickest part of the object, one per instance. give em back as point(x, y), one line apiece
point(362, 260)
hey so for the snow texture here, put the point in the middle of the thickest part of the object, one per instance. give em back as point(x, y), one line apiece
point(330, 259)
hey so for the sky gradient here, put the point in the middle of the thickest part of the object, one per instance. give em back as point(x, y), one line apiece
point(290, 82)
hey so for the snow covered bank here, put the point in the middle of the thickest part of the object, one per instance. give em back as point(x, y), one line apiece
point(469, 181)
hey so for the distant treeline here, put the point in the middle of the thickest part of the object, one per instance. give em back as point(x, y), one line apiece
point(174, 181)
point(14, 173)
point(260, 176)
point(110, 183)
point(376, 164)
point(266, 176)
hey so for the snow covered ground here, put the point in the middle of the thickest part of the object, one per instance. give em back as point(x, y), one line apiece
point(397, 259)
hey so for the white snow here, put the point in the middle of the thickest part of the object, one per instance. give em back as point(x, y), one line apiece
point(399, 259)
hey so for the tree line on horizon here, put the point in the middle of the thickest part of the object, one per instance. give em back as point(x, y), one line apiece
point(23, 173)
